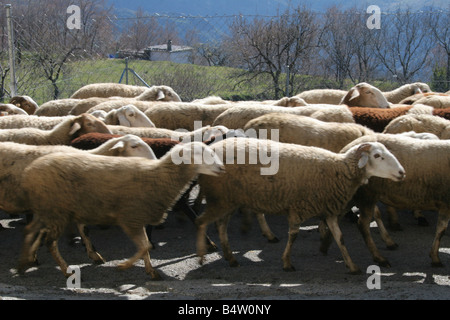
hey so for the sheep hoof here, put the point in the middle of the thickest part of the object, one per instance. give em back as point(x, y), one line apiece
point(155, 276)
point(124, 266)
point(356, 271)
point(289, 269)
point(437, 264)
point(234, 264)
point(422, 222)
point(384, 263)
point(273, 240)
point(392, 246)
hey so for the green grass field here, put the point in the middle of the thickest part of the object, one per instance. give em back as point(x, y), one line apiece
point(188, 80)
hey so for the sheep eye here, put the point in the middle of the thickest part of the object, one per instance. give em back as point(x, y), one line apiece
point(376, 156)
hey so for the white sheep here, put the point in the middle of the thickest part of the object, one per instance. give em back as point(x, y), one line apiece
point(424, 188)
point(90, 199)
point(435, 101)
point(305, 130)
point(405, 91)
point(63, 133)
point(420, 123)
point(180, 115)
point(287, 102)
point(32, 121)
point(365, 95)
point(211, 100)
point(129, 116)
point(327, 96)
point(199, 134)
point(299, 181)
point(108, 90)
point(237, 117)
point(12, 197)
point(100, 114)
point(62, 107)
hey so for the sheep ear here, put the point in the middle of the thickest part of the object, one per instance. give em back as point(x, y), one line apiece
point(123, 121)
point(363, 151)
point(417, 90)
point(75, 127)
point(160, 95)
point(354, 94)
point(119, 145)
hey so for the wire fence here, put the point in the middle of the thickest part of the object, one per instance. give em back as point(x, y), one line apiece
point(197, 56)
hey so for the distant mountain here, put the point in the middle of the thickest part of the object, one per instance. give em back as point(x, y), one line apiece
point(258, 7)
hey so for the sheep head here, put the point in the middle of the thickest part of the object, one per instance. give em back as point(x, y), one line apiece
point(86, 123)
point(11, 109)
point(159, 93)
point(365, 95)
point(25, 103)
point(378, 161)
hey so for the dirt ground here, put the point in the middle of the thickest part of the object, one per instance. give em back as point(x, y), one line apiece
point(259, 276)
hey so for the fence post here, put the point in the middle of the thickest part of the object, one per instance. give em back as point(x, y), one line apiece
point(12, 58)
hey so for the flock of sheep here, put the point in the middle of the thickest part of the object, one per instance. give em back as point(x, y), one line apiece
point(116, 154)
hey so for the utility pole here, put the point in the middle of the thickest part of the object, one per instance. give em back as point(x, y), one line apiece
point(12, 58)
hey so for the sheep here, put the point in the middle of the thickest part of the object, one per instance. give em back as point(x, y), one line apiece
point(62, 134)
point(152, 94)
point(183, 115)
point(306, 131)
point(327, 96)
point(377, 119)
point(21, 155)
point(405, 91)
point(436, 101)
point(13, 199)
point(309, 181)
point(127, 205)
point(287, 102)
point(107, 90)
point(129, 116)
point(420, 123)
point(365, 95)
point(62, 107)
point(26, 103)
point(100, 114)
point(418, 96)
point(424, 188)
point(31, 121)
point(211, 100)
point(238, 116)
point(10, 109)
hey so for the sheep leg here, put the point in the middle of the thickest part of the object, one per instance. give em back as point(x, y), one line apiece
point(139, 237)
point(30, 245)
point(54, 250)
point(222, 226)
point(394, 224)
point(365, 217)
point(265, 229)
point(391, 245)
point(294, 228)
point(442, 223)
point(92, 253)
point(325, 237)
point(212, 212)
point(332, 222)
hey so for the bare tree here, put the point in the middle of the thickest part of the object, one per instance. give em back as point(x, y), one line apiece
point(44, 38)
point(270, 46)
point(438, 23)
point(403, 45)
